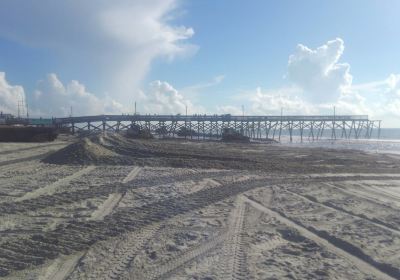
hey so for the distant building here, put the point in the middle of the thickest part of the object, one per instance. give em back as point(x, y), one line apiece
point(4, 117)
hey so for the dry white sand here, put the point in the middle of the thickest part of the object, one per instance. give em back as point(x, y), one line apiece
point(166, 222)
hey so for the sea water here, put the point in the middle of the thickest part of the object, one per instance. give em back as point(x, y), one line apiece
point(388, 142)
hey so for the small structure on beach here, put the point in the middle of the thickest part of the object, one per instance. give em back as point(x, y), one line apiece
point(18, 133)
point(135, 131)
point(231, 135)
point(5, 117)
point(14, 129)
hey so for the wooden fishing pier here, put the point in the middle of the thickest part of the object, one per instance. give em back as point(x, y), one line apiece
point(310, 128)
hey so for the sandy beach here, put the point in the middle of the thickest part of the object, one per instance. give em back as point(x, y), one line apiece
point(108, 207)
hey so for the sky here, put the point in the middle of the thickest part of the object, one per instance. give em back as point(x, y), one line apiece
point(212, 57)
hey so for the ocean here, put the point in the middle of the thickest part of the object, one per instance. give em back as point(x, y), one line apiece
point(389, 142)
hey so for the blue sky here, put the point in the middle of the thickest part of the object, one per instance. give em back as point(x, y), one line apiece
point(258, 36)
point(212, 56)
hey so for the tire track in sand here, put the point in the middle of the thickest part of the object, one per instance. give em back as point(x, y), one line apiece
point(67, 197)
point(132, 175)
point(369, 193)
point(115, 260)
point(62, 268)
point(7, 152)
point(130, 248)
point(50, 189)
point(116, 266)
point(233, 262)
point(332, 244)
point(76, 235)
point(114, 198)
point(161, 271)
point(331, 206)
point(229, 240)
point(24, 159)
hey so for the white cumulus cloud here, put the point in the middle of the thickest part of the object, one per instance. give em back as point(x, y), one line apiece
point(229, 109)
point(53, 98)
point(317, 83)
point(381, 99)
point(271, 102)
point(393, 95)
point(163, 98)
point(393, 85)
point(118, 40)
point(318, 72)
point(10, 96)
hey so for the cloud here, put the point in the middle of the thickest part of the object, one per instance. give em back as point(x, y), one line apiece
point(10, 96)
point(393, 85)
point(271, 102)
point(317, 83)
point(352, 103)
point(229, 109)
point(118, 40)
point(388, 92)
point(53, 98)
point(218, 79)
point(163, 98)
point(193, 90)
point(320, 82)
point(393, 95)
point(290, 101)
point(318, 73)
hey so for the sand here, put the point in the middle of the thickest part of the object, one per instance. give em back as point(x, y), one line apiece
point(106, 207)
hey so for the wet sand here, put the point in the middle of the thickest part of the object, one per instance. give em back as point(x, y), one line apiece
point(113, 208)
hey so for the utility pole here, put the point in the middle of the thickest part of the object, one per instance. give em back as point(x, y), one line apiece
point(334, 123)
point(186, 130)
point(24, 106)
point(242, 110)
point(280, 126)
point(135, 107)
point(19, 101)
point(70, 115)
point(379, 130)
